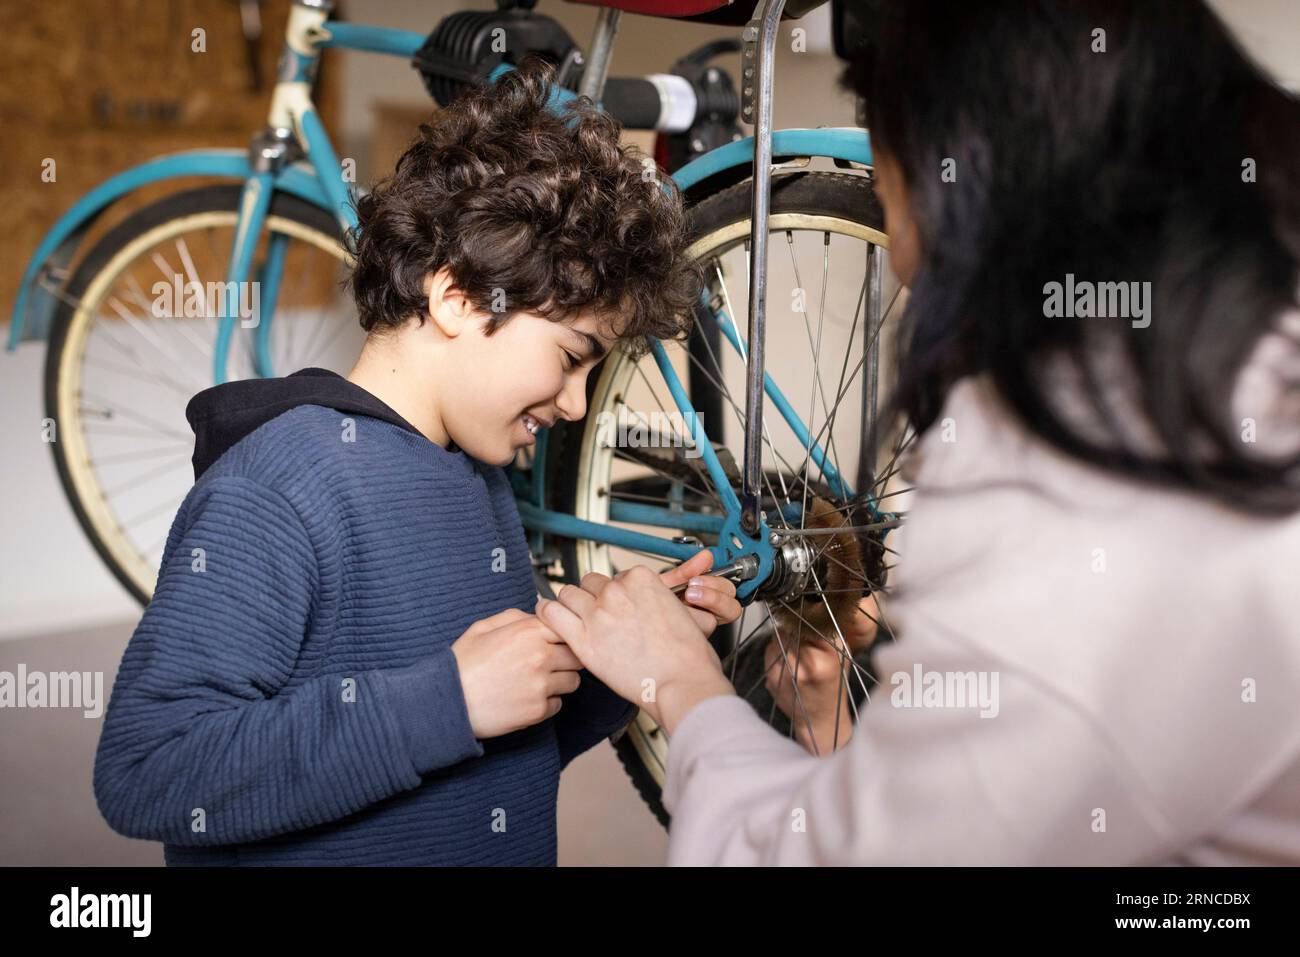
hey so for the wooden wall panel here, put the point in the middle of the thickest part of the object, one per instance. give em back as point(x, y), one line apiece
point(99, 87)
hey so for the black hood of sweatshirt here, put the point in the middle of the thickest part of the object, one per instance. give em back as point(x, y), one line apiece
point(224, 414)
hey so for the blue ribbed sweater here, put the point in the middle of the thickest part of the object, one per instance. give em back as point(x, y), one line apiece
point(290, 695)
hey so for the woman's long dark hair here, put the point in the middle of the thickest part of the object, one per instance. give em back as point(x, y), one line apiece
point(1130, 164)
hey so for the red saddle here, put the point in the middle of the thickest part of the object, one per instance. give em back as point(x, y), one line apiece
point(728, 12)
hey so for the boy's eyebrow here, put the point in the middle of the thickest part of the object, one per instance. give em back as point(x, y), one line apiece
point(595, 348)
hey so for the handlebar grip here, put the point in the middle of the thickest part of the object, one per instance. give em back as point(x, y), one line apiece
point(662, 101)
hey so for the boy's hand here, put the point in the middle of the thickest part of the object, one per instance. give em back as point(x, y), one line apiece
point(714, 597)
point(513, 669)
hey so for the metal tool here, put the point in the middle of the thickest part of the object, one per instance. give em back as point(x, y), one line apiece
point(742, 569)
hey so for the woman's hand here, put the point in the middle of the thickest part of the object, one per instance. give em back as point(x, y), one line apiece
point(715, 596)
point(637, 637)
point(820, 712)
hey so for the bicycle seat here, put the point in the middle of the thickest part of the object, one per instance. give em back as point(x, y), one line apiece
point(723, 12)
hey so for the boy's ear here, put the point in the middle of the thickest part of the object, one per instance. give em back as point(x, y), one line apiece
point(449, 308)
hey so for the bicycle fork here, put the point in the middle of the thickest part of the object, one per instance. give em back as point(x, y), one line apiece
point(293, 131)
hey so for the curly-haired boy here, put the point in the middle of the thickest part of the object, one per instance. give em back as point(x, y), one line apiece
point(339, 664)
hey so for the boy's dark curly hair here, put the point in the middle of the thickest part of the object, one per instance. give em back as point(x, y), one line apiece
point(531, 211)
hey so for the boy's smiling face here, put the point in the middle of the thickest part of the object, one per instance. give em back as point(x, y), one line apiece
point(495, 391)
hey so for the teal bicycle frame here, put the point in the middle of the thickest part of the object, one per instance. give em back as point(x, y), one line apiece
point(294, 154)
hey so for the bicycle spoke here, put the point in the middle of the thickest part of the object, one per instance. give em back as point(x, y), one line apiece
point(142, 419)
point(740, 416)
point(145, 476)
point(139, 454)
point(847, 386)
point(134, 375)
point(819, 389)
point(102, 333)
point(161, 508)
point(183, 327)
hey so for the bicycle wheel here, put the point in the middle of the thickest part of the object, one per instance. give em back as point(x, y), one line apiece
point(133, 340)
point(821, 348)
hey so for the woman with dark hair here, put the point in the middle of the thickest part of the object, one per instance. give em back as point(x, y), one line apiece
point(1096, 206)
